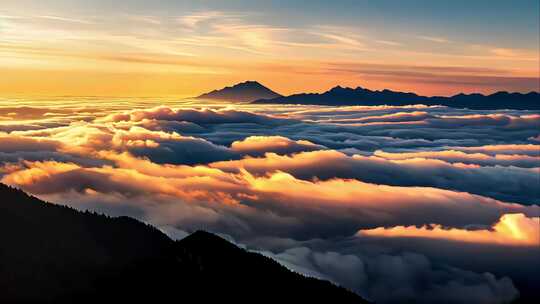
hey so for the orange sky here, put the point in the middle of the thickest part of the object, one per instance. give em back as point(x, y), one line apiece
point(63, 53)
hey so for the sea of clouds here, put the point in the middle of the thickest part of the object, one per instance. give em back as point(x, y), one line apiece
point(414, 203)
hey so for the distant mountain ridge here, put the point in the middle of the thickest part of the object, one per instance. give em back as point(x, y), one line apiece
point(339, 96)
point(242, 92)
point(55, 254)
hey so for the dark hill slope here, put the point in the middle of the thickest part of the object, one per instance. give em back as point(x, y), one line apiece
point(50, 253)
point(262, 276)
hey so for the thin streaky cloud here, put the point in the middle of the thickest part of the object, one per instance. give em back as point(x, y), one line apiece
point(64, 19)
point(387, 42)
point(434, 39)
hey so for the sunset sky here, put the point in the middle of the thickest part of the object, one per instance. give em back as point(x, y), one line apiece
point(184, 48)
point(395, 200)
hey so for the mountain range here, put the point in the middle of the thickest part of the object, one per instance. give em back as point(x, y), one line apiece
point(252, 91)
point(242, 92)
point(54, 254)
point(339, 96)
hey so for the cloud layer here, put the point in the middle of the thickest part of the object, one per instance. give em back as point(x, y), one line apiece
point(362, 196)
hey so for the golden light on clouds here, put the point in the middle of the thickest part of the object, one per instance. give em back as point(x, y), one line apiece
point(95, 113)
point(511, 229)
point(293, 177)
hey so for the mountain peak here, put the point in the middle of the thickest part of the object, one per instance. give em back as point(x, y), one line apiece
point(250, 82)
point(202, 236)
point(246, 91)
point(339, 88)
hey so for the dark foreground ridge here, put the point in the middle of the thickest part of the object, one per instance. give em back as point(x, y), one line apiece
point(242, 92)
point(55, 254)
point(339, 96)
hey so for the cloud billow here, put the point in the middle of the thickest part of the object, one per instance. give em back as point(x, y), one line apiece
point(362, 196)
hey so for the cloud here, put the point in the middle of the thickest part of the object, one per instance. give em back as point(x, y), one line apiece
point(511, 229)
point(434, 39)
point(259, 145)
point(394, 117)
point(500, 120)
point(162, 147)
point(172, 148)
point(460, 78)
point(347, 269)
point(298, 182)
point(398, 278)
point(200, 117)
point(26, 112)
point(526, 149)
point(12, 144)
point(15, 148)
point(388, 42)
point(513, 183)
point(455, 156)
point(166, 126)
point(64, 19)
point(312, 210)
point(512, 53)
point(193, 20)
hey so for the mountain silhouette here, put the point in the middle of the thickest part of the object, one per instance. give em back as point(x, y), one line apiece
point(55, 254)
point(339, 96)
point(243, 92)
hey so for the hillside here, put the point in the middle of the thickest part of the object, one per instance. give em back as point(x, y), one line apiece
point(52, 253)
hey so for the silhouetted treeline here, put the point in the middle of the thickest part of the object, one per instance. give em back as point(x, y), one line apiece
point(52, 253)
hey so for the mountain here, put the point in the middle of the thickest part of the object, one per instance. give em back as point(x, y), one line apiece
point(339, 96)
point(243, 92)
point(54, 254)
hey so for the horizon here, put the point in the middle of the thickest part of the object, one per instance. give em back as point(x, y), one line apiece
point(252, 80)
point(183, 48)
point(134, 108)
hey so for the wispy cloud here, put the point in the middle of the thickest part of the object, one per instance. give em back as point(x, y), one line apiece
point(153, 20)
point(64, 19)
point(245, 41)
point(434, 39)
point(191, 21)
point(387, 42)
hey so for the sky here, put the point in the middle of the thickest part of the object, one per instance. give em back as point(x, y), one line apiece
point(185, 48)
point(409, 203)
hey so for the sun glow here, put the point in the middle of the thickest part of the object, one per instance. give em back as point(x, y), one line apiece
point(511, 229)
